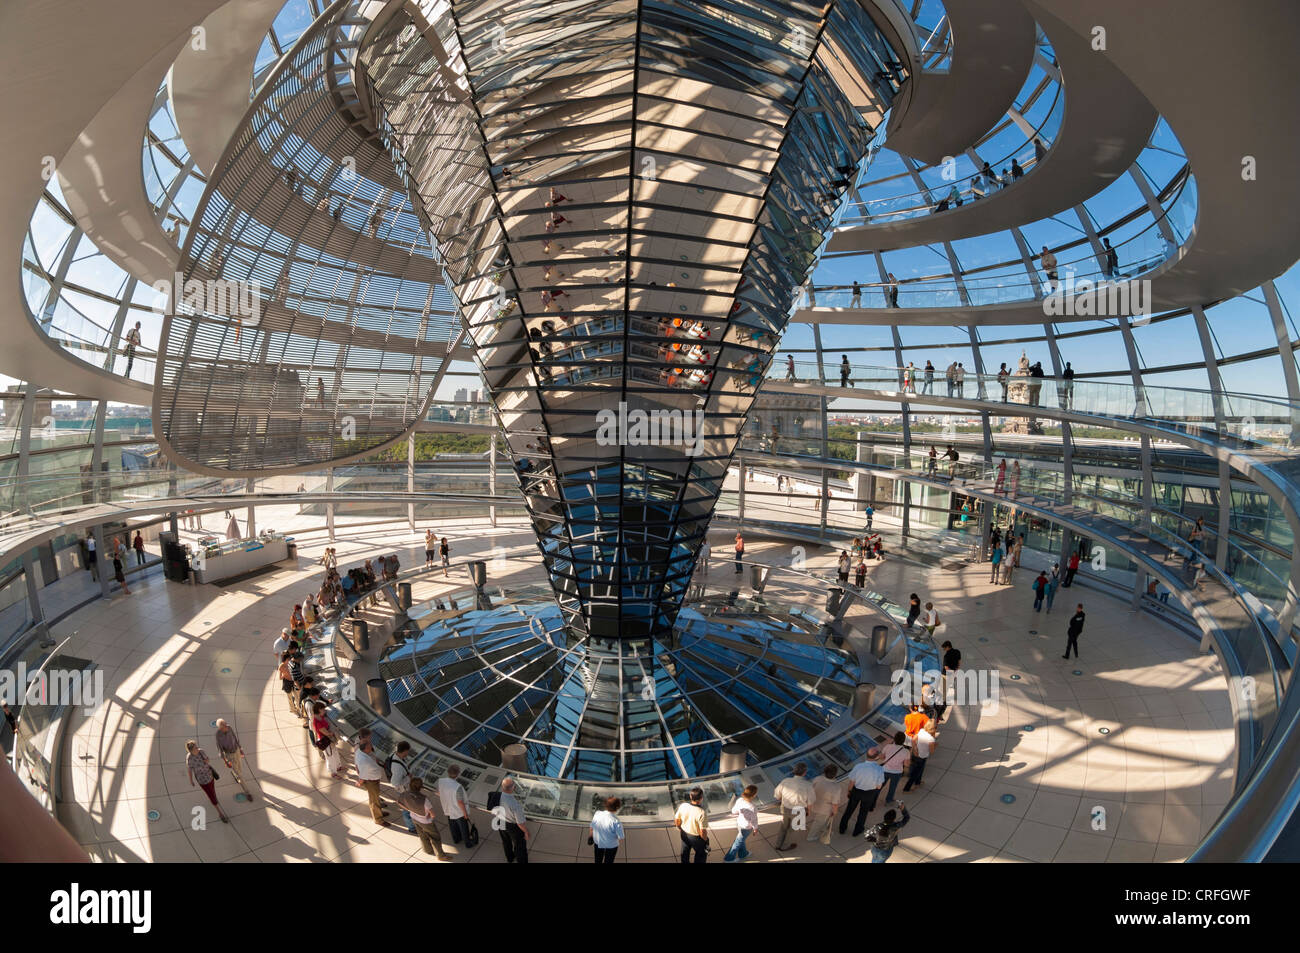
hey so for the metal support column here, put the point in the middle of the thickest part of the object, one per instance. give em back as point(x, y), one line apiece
point(250, 514)
point(329, 507)
point(492, 478)
point(410, 481)
point(1224, 530)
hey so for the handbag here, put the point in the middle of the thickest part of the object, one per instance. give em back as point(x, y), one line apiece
point(471, 839)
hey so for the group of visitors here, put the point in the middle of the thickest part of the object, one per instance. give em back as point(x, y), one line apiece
point(117, 551)
point(441, 547)
point(1004, 556)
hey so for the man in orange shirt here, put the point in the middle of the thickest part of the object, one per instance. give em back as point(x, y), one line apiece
point(914, 721)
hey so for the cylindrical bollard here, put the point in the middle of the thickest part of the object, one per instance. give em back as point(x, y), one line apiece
point(514, 758)
point(863, 696)
point(478, 573)
point(879, 641)
point(758, 576)
point(361, 634)
point(833, 596)
point(377, 688)
point(404, 595)
point(733, 757)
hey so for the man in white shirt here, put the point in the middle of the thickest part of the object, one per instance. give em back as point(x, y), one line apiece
point(703, 563)
point(796, 795)
point(281, 645)
point(829, 798)
point(400, 777)
point(91, 556)
point(509, 819)
point(455, 805)
point(930, 618)
point(865, 781)
point(370, 773)
point(922, 745)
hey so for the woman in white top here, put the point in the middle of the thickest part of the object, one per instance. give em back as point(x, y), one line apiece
point(606, 831)
point(893, 759)
point(746, 823)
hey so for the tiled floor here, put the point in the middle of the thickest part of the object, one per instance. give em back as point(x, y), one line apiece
point(178, 656)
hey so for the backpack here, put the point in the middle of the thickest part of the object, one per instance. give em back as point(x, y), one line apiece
point(387, 765)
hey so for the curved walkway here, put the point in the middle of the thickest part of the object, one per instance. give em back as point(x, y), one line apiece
point(64, 61)
point(1106, 125)
point(941, 112)
point(210, 87)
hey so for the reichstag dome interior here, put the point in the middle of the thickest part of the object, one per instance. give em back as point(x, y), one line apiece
point(552, 430)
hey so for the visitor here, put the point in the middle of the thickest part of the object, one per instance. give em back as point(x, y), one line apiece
point(884, 836)
point(1071, 568)
point(692, 824)
point(1039, 149)
point(370, 773)
point(607, 831)
point(995, 557)
point(399, 776)
point(138, 545)
point(1015, 478)
point(913, 610)
point(789, 367)
point(200, 772)
point(845, 371)
point(119, 573)
point(1000, 476)
point(893, 759)
point(429, 539)
point(1195, 539)
point(828, 798)
point(746, 825)
point(1112, 259)
point(856, 300)
point(232, 753)
point(909, 378)
point(511, 824)
point(1049, 267)
point(959, 378)
point(1004, 376)
point(929, 378)
point(860, 574)
point(844, 567)
point(702, 564)
point(1162, 593)
point(327, 741)
point(1040, 590)
point(871, 514)
point(795, 794)
point(1053, 582)
point(932, 461)
point(132, 342)
point(1016, 170)
point(91, 557)
point(922, 745)
point(1067, 386)
point(455, 804)
point(892, 290)
point(740, 552)
point(286, 681)
point(1074, 631)
point(444, 551)
point(930, 619)
point(865, 781)
point(952, 457)
point(950, 376)
point(415, 803)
